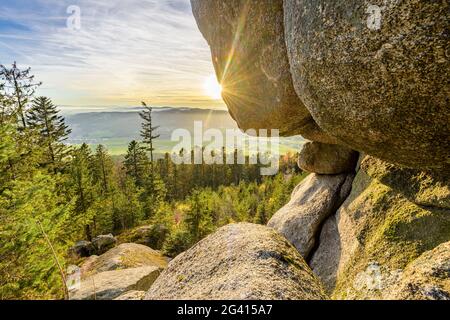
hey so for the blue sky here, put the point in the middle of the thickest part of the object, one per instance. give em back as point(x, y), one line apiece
point(124, 52)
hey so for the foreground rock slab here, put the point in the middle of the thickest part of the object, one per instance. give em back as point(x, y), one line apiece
point(124, 256)
point(324, 158)
point(239, 261)
point(312, 202)
point(109, 285)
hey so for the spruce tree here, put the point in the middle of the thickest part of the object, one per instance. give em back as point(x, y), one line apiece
point(135, 162)
point(44, 118)
point(82, 184)
point(19, 86)
point(148, 132)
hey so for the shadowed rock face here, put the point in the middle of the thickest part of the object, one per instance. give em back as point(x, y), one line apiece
point(375, 77)
point(249, 55)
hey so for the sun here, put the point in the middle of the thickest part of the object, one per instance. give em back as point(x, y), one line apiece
point(212, 88)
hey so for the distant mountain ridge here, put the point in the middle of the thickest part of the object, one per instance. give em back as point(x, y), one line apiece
point(115, 129)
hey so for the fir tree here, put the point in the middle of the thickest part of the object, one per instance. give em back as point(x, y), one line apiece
point(44, 118)
point(148, 132)
point(82, 184)
point(19, 86)
point(135, 162)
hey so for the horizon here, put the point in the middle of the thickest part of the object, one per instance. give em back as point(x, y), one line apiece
point(158, 54)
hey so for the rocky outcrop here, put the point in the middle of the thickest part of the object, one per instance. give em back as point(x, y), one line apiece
point(82, 249)
point(103, 243)
point(109, 285)
point(424, 188)
point(324, 158)
point(249, 54)
point(371, 78)
point(312, 202)
point(380, 232)
point(426, 278)
point(239, 261)
point(124, 256)
point(375, 75)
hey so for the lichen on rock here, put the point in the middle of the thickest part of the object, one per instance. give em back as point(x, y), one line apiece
point(239, 261)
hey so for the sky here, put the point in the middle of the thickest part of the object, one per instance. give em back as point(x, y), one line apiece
point(116, 54)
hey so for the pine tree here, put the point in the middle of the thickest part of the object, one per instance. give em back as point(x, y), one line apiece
point(81, 179)
point(198, 219)
point(148, 132)
point(19, 86)
point(136, 162)
point(44, 118)
point(103, 169)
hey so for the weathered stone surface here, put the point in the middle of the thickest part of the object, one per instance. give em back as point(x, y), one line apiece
point(250, 58)
point(124, 256)
point(82, 249)
point(111, 284)
point(132, 295)
point(426, 188)
point(380, 233)
point(312, 202)
point(325, 259)
point(327, 158)
point(375, 74)
point(103, 243)
point(427, 278)
point(239, 261)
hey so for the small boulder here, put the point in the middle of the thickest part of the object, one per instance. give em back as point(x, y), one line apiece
point(240, 261)
point(124, 256)
point(312, 202)
point(109, 285)
point(327, 158)
point(82, 249)
point(103, 243)
point(132, 295)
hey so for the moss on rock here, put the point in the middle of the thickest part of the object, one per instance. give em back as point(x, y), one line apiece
point(382, 229)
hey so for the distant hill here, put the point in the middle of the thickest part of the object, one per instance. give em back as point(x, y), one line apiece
point(116, 129)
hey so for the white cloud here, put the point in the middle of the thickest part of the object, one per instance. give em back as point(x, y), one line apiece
point(126, 51)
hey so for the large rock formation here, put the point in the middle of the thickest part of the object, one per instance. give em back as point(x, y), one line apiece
point(239, 261)
point(312, 202)
point(324, 158)
point(375, 74)
point(378, 232)
point(374, 77)
point(250, 58)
